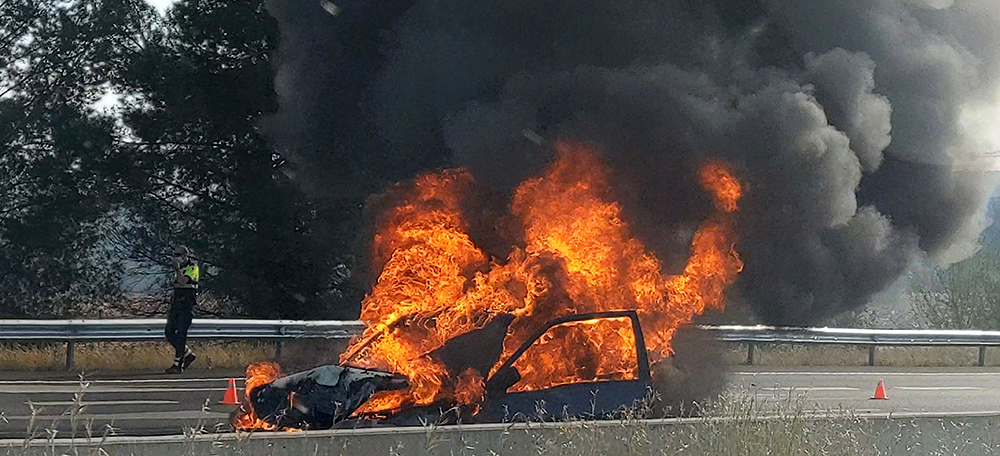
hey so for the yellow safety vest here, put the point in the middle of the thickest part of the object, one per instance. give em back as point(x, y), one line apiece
point(193, 274)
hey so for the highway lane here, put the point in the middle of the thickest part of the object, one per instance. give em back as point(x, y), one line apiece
point(131, 405)
point(149, 404)
point(911, 391)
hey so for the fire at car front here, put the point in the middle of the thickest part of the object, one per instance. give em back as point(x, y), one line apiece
point(314, 399)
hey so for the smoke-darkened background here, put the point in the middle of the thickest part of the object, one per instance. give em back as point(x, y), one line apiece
point(848, 121)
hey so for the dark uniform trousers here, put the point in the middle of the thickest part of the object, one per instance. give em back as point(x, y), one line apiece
point(179, 319)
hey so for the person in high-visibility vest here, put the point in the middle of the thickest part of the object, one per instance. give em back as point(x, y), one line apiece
point(185, 284)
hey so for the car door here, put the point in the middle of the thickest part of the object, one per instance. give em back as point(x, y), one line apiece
point(599, 393)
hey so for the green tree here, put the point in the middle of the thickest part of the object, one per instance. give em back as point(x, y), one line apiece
point(968, 294)
point(56, 155)
point(85, 194)
point(195, 84)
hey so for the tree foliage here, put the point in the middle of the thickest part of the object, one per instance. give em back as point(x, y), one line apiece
point(56, 154)
point(968, 294)
point(182, 161)
point(203, 175)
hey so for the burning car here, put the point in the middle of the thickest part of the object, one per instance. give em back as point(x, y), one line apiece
point(322, 397)
point(552, 329)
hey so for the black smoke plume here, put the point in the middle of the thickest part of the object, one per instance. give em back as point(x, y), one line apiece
point(846, 119)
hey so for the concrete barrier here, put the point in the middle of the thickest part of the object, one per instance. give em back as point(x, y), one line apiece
point(876, 435)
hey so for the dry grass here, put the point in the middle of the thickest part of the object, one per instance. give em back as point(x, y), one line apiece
point(139, 356)
point(739, 426)
point(302, 354)
point(842, 356)
point(749, 427)
point(736, 425)
point(129, 357)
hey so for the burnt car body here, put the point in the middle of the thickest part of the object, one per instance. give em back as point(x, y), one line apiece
point(320, 397)
point(327, 396)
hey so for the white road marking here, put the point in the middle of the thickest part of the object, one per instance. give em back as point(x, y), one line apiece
point(119, 417)
point(37, 389)
point(936, 388)
point(97, 403)
point(138, 380)
point(811, 388)
point(872, 374)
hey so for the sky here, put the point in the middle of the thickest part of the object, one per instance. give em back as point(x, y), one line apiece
point(109, 101)
point(161, 5)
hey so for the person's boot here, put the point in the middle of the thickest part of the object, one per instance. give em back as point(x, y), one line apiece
point(189, 358)
point(176, 368)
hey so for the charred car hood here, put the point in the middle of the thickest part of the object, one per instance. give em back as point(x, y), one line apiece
point(319, 397)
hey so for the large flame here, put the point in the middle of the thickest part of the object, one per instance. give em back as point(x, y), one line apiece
point(578, 256)
point(258, 374)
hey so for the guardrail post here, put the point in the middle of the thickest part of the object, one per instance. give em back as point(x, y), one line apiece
point(70, 354)
point(871, 355)
point(277, 350)
point(750, 348)
point(982, 355)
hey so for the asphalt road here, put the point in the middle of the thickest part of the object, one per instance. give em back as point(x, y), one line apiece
point(151, 404)
point(915, 391)
point(137, 404)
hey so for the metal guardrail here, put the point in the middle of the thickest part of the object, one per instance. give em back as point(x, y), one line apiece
point(872, 338)
point(152, 329)
point(74, 331)
point(135, 330)
point(850, 336)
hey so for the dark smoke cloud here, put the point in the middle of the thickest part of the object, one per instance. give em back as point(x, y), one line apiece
point(844, 118)
point(845, 83)
point(328, 54)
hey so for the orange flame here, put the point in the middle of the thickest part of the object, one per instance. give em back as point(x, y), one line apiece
point(258, 374)
point(726, 190)
point(471, 387)
point(578, 256)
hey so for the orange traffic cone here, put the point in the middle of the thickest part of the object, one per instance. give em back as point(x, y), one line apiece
point(231, 398)
point(880, 391)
